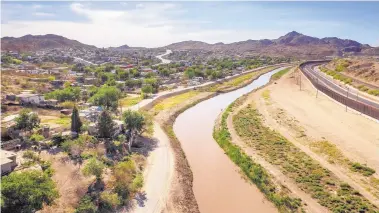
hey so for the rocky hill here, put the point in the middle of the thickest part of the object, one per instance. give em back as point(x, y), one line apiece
point(39, 42)
point(292, 44)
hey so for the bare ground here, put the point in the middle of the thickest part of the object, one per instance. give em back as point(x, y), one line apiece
point(71, 184)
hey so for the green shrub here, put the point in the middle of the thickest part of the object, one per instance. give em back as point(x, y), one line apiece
point(363, 169)
point(109, 200)
point(36, 137)
point(86, 205)
point(27, 191)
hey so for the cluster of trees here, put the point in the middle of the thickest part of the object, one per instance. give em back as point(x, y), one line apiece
point(27, 120)
point(69, 93)
point(7, 59)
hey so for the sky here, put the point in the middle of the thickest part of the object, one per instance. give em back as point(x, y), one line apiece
point(156, 24)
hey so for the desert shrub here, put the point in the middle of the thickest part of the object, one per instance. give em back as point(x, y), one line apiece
point(67, 104)
point(36, 137)
point(109, 200)
point(363, 169)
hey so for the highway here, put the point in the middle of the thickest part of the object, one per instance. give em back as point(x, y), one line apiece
point(309, 68)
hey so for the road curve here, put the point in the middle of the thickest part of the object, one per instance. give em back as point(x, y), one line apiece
point(309, 68)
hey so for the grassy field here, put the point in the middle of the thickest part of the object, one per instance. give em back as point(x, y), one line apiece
point(254, 172)
point(130, 101)
point(174, 101)
point(64, 121)
point(309, 175)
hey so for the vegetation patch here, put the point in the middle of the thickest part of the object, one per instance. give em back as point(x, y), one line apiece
point(238, 81)
point(310, 176)
point(337, 75)
point(279, 74)
point(266, 94)
point(174, 101)
point(130, 101)
point(363, 169)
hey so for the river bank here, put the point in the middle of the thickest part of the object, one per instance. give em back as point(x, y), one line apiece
point(261, 147)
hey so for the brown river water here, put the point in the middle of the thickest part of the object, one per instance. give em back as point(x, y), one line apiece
point(218, 186)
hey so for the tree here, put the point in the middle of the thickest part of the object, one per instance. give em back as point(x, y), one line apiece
point(109, 200)
point(135, 123)
point(94, 167)
point(86, 206)
point(147, 89)
point(76, 123)
point(123, 176)
point(27, 120)
point(106, 96)
point(27, 191)
point(105, 125)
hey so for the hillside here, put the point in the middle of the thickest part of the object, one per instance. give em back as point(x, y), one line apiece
point(39, 42)
point(292, 44)
point(366, 70)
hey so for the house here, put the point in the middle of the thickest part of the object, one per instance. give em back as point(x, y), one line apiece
point(27, 98)
point(8, 161)
point(90, 81)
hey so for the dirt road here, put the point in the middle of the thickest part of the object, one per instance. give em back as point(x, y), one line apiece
point(158, 175)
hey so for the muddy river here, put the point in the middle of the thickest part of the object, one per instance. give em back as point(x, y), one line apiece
point(218, 185)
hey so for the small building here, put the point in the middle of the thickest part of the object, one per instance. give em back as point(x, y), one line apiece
point(90, 81)
point(27, 98)
point(8, 161)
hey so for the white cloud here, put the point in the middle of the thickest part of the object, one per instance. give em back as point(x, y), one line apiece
point(43, 14)
point(37, 6)
point(148, 25)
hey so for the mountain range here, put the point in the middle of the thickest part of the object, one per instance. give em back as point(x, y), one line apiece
point(291, 44)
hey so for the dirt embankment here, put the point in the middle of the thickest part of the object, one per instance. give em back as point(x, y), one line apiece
point(366, 70)
point(309, 122)
point(181, 197)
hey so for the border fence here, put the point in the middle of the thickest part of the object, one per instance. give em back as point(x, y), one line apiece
point(348, 101)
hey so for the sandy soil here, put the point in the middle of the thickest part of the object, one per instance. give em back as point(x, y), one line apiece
point(303, 119)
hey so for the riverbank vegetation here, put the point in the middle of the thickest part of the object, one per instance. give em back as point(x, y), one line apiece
point(310, 176)
point(279, 74)
point(255, 172)
point(238, 82)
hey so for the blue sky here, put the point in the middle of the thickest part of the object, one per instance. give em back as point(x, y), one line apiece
point(153, 24)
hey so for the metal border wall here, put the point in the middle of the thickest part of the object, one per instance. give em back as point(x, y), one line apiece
point(358, 106)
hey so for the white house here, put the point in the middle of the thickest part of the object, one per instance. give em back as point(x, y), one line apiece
point(27, 98)
point(8, 161)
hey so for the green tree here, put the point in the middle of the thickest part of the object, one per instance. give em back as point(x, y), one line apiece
point(27, 191)
point(123, 175)
point(105, 125)
point(109, 200)
point(147, 89)
point(27, 120)
point(94, 167)
point(86, 206)
point(106, 96)
point(76, 123)
point(135, 123)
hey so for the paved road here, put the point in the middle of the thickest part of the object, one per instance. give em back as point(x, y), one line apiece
point(164, 61)
point(309, 68)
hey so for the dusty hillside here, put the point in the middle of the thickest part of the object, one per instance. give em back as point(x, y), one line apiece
point(366, 70)
point(38, 42)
